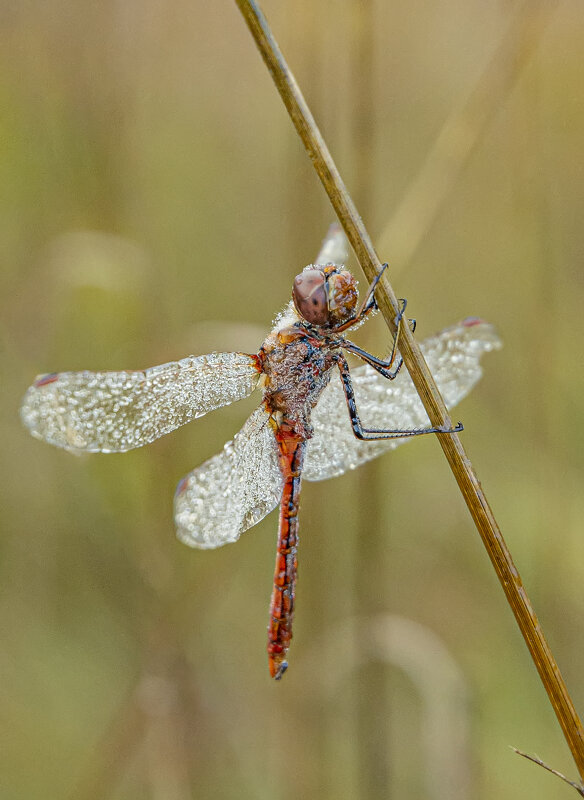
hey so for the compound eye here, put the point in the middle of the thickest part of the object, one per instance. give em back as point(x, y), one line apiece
point(310, 296)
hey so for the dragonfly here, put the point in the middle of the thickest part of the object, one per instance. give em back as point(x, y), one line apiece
point(308, 425)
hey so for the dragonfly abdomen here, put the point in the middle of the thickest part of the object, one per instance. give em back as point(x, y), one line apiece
point(291, 455)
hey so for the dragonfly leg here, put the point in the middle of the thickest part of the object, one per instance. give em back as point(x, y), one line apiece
point(384, 367)
point(378, 433)
point(368, 305)
point(378, 364)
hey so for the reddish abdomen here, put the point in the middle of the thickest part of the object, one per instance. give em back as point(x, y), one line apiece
point(291, 456)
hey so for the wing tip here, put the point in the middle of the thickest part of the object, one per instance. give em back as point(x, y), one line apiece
point(481, 331)
point(193, 538)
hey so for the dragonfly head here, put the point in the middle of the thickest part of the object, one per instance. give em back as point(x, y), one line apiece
point(325, 295)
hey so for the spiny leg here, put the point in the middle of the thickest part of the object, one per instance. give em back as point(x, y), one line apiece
point(367, 306)
point(369, 300)
point(377, 433)
point(383, 366)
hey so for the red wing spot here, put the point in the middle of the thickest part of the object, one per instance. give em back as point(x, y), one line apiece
point(45, 379)
point(182, 485)
point(470, 321)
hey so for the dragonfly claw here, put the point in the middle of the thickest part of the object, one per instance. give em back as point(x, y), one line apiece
point(457, 428)
point(281, 670)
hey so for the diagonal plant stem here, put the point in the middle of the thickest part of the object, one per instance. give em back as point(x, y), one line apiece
point(459, 462)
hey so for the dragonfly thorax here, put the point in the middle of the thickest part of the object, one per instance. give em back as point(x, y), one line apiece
point(296, 368)
point(325, 295)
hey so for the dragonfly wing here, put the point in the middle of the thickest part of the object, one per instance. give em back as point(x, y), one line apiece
point(111, 412)
point(453, 357)
point(335, 246)
point(215, 503)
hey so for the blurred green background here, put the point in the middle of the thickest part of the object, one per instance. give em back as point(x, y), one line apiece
point(155, 202)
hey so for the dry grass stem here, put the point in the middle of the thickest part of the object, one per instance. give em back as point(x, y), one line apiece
point(577, 786)
point(433, 403)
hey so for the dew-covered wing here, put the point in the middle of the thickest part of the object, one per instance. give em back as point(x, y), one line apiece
point(334, 248)
point(111, 412)
point(453, 357)
point(215, 503)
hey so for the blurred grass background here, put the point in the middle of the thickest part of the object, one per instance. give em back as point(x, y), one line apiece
point(155, 202)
